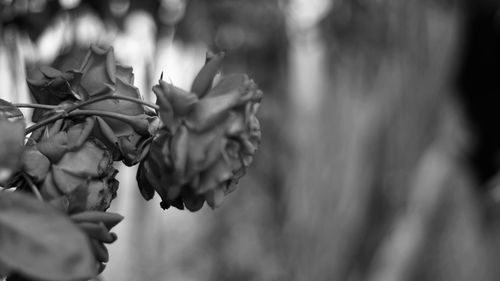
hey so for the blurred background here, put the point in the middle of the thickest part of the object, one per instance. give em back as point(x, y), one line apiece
point(380, 140)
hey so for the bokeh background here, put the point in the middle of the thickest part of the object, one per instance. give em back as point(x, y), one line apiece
point(379, 149)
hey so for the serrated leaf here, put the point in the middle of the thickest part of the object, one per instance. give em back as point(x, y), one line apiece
point(39, 242)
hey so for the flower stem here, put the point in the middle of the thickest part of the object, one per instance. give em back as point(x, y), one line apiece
point(70, 111)
point(136, 124)
point(114, 96)
point(33, 187)
point(35, 105)
point(114, 115)
point(148, 104)
point(44, 122)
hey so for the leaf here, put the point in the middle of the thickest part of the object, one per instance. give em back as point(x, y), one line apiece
point(39, 242)
point(9, 111)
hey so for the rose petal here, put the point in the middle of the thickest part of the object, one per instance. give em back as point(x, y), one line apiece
point(193, 202)
point(35, 164)
point(65, 181)
point(182, 101)
point(179, 150)
point(145, 187)
point(100, 194)
point(90, 160)
point(218, 173)
point(98, 69)
point(227, 84)
point(211, 111)
point(125, 73)
point(49, 189)
point(203, 81)
point(54, 147)
point(215, 198)
point(50, 72)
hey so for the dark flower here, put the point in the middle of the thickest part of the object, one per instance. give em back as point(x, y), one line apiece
point(101, 76)
point(72, 170)
point(102, 79)
point(207, 139)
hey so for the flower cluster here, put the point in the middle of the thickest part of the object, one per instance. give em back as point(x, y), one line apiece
point(208, 137)
point(191, 147)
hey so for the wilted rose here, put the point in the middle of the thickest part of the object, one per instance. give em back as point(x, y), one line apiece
point(72, 170)
point(99, 76)
point(208, 138)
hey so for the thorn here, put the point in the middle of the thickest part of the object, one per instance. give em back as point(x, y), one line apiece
point(161, 76)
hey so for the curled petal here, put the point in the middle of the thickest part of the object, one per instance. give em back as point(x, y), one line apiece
point(166, 110)
point(203, 81)
point(91, 160)
point(35, 164)
point(193, 202)
point(125, 73)
point(215, 197)
point(79, 133)
point(181, 100)
point(227, 84)
point(98, 69)
point(54, 147)
point(211, 111)
point(145, 187)
point(179, 150)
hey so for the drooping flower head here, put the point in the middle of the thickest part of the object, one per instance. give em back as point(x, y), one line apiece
point(208, 137)
point(72, 170)
point(99, 77)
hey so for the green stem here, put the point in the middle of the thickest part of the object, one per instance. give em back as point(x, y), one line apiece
point(70, 111)
point(35, 105)
point(44, 122)
point(114, 96)
point(122, 117)
point(148, 104)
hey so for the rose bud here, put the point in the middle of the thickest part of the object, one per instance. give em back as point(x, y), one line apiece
point(206, 141)
point(71, 169)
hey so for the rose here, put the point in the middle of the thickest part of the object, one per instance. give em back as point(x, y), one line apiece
point(99, 85)
point(208, 138)
point(71, 169)
point(102, 76)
